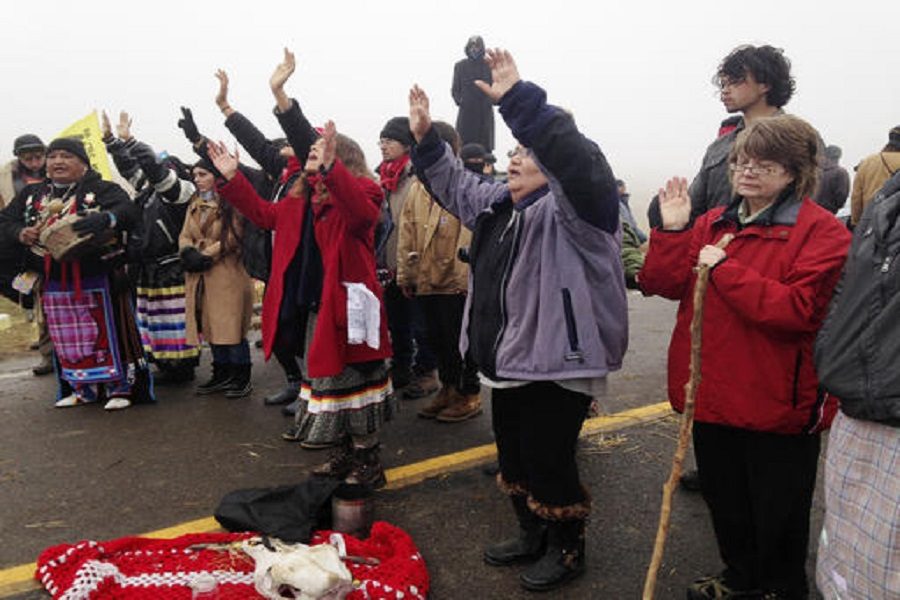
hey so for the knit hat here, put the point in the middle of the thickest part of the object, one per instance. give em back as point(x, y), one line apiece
point(71, 145)
point(27, 142)
point(398, 129)
point(894, 136)
point(472, 151)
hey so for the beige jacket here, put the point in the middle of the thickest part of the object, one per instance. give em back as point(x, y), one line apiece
point(428, 249)
point(870, 176)
point(7, 187)
point(225, 297)
point(396, 201)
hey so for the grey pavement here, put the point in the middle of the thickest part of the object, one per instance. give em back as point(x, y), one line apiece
point(81, 473)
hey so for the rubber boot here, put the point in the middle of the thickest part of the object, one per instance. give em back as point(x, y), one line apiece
point(367, 470)
point(239, 386)
point(221, 377)
point(287, 394)
point(563, 561)
point(528, 546)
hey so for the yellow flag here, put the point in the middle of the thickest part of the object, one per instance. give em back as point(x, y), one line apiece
point(88, 131)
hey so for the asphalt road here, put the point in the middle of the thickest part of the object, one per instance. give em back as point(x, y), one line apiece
point(81, 473)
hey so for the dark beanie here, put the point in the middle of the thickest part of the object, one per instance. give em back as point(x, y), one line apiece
point(71, 145)
point(206, 165)
point(894, 136)
point(472, 151)
point(26, 143)
point(398, 129)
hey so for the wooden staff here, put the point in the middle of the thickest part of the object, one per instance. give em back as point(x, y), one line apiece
point(687, 422)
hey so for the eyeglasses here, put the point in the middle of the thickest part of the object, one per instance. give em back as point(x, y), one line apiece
point(755, 169)
point(725, 82)
point(520, 151)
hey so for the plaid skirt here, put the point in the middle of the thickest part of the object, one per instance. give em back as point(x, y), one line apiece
point(859, 548)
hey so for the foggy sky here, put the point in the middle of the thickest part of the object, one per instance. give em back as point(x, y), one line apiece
point(637, 76)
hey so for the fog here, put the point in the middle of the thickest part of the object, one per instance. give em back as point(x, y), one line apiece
point(637, 76)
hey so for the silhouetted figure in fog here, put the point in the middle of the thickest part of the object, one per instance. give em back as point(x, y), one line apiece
point(475, 121)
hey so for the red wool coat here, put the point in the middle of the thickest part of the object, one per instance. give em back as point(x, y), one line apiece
point(763, 307)
point(345, 232)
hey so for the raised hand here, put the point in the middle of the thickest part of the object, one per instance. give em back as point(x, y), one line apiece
point(419, 113)
point(675, 204)
point(504, 74)
point(222, 95)
point(187, 124)
point(329, 136)
point(105, 126)
point(283, 71)
point(123, 127)
point(227, 164)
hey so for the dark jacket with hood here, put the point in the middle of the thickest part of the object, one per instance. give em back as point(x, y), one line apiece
point(475, 121)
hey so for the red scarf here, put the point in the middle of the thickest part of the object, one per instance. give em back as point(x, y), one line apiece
point(390, 172)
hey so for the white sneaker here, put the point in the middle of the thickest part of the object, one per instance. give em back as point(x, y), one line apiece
point(66, 402)
point(117, 404)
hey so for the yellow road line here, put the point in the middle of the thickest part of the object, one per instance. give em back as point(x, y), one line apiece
point(20, 579)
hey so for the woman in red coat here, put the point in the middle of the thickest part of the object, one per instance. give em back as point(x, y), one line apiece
point(759, 411)
point(323, 270)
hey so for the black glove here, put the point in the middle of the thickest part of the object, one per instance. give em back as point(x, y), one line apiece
point(186, 123)
point(194, 261)
point(92, 223)
point(146, 158)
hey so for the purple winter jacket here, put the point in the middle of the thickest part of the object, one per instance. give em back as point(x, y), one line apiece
point(546, 289)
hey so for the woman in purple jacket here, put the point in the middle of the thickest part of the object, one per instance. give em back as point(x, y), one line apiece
point(546, 316)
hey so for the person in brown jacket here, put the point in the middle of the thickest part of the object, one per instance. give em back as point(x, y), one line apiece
point(429, 268)
point(871, 174)
point(218, 292)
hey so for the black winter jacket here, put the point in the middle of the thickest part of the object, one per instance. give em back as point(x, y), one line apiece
point(857, 351)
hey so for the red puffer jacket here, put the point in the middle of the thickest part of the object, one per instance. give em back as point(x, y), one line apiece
point(763, 307)
point(345, 233)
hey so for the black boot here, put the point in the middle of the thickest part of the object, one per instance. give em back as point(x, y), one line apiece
point(563, 561)
point(287, 395)
point(240, 385)
point(367, 470)
point(339, 464)
point(221, 377)
point(527, 547)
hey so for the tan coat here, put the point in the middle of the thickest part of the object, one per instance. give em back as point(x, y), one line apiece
point(7, 187)
point(226, 295)
point(397, 200)
point(870, 176)
point(428, 247)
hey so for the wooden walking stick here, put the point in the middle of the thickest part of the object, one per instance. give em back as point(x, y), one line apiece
point(687, 422)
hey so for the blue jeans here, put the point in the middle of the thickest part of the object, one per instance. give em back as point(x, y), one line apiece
point(231, 354)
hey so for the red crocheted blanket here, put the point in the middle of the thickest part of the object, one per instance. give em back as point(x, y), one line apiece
point(143, 568)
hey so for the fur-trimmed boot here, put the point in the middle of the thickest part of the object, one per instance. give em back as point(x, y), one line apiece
point(367, 470)
point(563, 561)
point(527, 546)
point(221, 377)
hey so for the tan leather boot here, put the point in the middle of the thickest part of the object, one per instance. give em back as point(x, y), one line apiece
point(465, 407)
point(441, 401)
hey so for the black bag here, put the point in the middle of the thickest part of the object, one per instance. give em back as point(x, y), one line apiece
point(290, 513)
point(857, 348)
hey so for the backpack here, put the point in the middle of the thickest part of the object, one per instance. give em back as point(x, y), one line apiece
point(857, 351)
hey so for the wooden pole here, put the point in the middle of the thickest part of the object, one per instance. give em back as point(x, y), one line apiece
point(687, 422)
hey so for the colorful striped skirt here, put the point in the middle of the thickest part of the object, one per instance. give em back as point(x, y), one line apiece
point(161, 321)
point(356, 402)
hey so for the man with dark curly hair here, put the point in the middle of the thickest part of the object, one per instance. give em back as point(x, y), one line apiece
point(755, 82)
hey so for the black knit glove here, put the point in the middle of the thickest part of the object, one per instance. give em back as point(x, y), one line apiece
point(194, 261)
point(92, 223)
point(187, 124)
point(146, 158)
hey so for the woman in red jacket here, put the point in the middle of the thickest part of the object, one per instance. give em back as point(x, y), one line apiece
point(758, 411)
point(323, 269)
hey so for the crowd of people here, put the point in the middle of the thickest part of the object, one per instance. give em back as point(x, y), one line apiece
point(433, 276)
